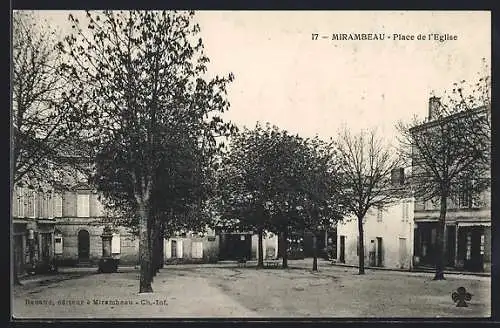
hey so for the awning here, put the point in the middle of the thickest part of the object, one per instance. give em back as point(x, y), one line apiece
point(474, 224)
point(20, 221)
point(46, 221)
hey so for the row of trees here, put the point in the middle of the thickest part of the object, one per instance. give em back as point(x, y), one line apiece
point(133, 88)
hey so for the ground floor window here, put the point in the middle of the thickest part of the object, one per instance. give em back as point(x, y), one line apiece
point(197, 250)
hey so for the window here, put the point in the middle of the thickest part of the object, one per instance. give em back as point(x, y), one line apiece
point(57, 203)
point(115, 244)
point(468, 194)
point(20, 203)
point(197, 250)
point(58, 249)
point(406, 209)
point(83, 205)
point(29, 205)
point(379, 215)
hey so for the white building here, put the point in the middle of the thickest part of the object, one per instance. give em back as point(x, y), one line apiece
point(388, 237)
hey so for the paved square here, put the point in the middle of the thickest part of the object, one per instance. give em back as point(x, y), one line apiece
point(229, 291)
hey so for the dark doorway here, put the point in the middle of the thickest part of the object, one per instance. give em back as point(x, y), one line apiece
point(46, 246)
point(474, 260)
point(173, 249)
point(83, 245)
point(342, 249)
point(18, 254)
point(380, 251)
point(450, 245)
point(235, 247)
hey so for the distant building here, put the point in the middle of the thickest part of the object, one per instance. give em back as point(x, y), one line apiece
point(192, 248)
point(468, 222)
point(388, 237)
point(33, 227)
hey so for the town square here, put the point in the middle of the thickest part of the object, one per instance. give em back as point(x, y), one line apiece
point(173, 164)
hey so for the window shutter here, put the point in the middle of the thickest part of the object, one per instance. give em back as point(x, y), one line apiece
point(179, 248)
point(115, 244)
point(83, 205)
point(58, 201)
point(197, 249)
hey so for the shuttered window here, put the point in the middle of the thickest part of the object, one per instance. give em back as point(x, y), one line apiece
point(83, 206)
point(57, 204)
point(197, 250)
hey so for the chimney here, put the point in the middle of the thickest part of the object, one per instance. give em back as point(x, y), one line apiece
point(398, 176)
point(434, 103)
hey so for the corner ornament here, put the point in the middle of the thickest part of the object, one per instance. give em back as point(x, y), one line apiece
point(461, 296)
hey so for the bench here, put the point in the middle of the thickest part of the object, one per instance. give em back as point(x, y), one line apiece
point(272, 264)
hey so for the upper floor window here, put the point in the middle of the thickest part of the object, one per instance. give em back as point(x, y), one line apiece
point(57, 205)
point(379, 214)
point(83, 205)
point(30, 203)
point(467, 194)
point(19, 210)
point(406, 210)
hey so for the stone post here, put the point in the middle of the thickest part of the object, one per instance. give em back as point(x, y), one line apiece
point(107, 264)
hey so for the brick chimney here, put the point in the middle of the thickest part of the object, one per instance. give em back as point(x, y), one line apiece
point(434, 103)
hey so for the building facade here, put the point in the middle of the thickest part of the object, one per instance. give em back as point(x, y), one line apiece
point(80, 226)
point(388, 237)
point(467, 234)
point(33, 226)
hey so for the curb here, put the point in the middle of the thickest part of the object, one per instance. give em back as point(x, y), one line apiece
point(461, 273)
point(39, 281)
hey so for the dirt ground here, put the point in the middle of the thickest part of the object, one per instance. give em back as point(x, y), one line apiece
point(231, 291)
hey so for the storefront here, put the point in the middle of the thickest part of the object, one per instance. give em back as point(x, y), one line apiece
point(467, 245)
point(474, 246)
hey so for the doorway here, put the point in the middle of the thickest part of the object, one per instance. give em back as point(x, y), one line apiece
point(83, 245)
point(402, 253)
point(342, 249)
point(380, 255)
point(450, 245)
point(173, 249)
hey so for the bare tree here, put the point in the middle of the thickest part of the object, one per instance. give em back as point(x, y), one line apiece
point(41, 124)
point(366, 165)
point(450, 150)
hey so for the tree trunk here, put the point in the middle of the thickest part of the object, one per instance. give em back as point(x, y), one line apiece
point(260, 251)
point(162, 247)
point(285, 248)
point(159, 248)
point(440, 244)
point(151, 230)
point(144, 250)
point(155, 238)
point(315, 252)
point(361, 246)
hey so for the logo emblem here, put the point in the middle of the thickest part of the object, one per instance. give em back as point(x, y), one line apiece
point(461, 296)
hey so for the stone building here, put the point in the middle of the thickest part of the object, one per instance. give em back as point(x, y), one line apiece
point(467, 234)
point(388, 237)
point(33, 227)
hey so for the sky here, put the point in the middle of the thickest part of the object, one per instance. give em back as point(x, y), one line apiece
point(314, 87)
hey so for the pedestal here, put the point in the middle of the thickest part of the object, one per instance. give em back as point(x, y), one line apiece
point(107, 264)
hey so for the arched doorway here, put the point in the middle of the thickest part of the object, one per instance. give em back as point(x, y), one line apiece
point(83, 246)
